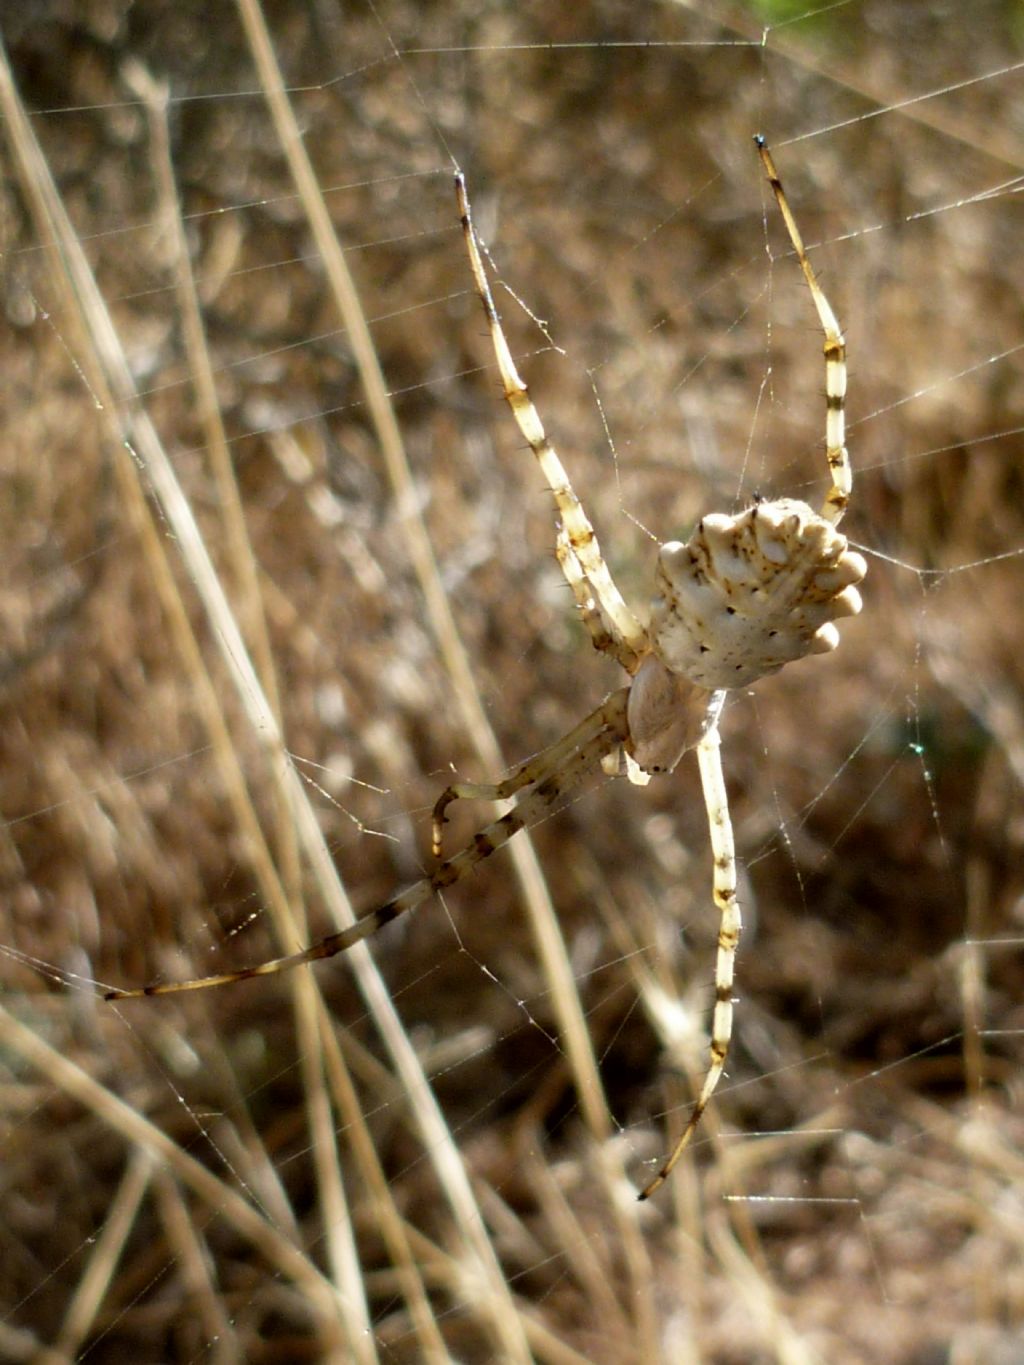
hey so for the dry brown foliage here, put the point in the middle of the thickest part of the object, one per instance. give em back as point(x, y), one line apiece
point(242, 1174)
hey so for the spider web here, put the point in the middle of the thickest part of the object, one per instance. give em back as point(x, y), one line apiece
point(196, 1178)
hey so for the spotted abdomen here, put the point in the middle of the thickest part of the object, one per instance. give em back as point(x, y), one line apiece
point(747, 594)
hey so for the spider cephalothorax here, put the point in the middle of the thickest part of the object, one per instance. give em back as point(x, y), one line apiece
point(744, 596)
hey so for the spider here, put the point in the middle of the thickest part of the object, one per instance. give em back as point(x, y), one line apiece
point(744, 596)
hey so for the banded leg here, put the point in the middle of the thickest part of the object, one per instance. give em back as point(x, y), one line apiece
point(531, 808)
point(723, 851)
point(603, 639)
point(607, 722)
point(580, 535)
point(835, 358)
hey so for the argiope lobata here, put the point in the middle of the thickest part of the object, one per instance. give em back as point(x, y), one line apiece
point(743, 597)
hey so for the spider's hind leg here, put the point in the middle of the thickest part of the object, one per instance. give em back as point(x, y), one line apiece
point(578, 550)
point(603, 636)
point(838, 496)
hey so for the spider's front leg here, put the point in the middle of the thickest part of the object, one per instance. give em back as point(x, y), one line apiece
point(723, 851)
point(599, 734)
point(602, 731)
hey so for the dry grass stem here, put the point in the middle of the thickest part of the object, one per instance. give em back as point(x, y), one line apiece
point(277, 570)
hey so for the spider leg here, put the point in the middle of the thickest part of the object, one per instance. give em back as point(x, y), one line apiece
point(530, 809)
point(580, 537)
point(603, 639)
point(608, 719)
point(835, 357)
point(723, 850)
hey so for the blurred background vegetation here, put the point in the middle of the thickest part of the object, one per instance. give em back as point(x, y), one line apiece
point(856, 1193)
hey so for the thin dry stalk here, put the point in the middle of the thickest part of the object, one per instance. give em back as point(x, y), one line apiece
point(110, 376)
point(110, 1245)
point(238, 551)
point(194, 1259)
point(543, 919)
point(220, 1197)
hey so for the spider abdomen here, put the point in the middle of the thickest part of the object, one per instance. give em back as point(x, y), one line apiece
point(747, 594)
